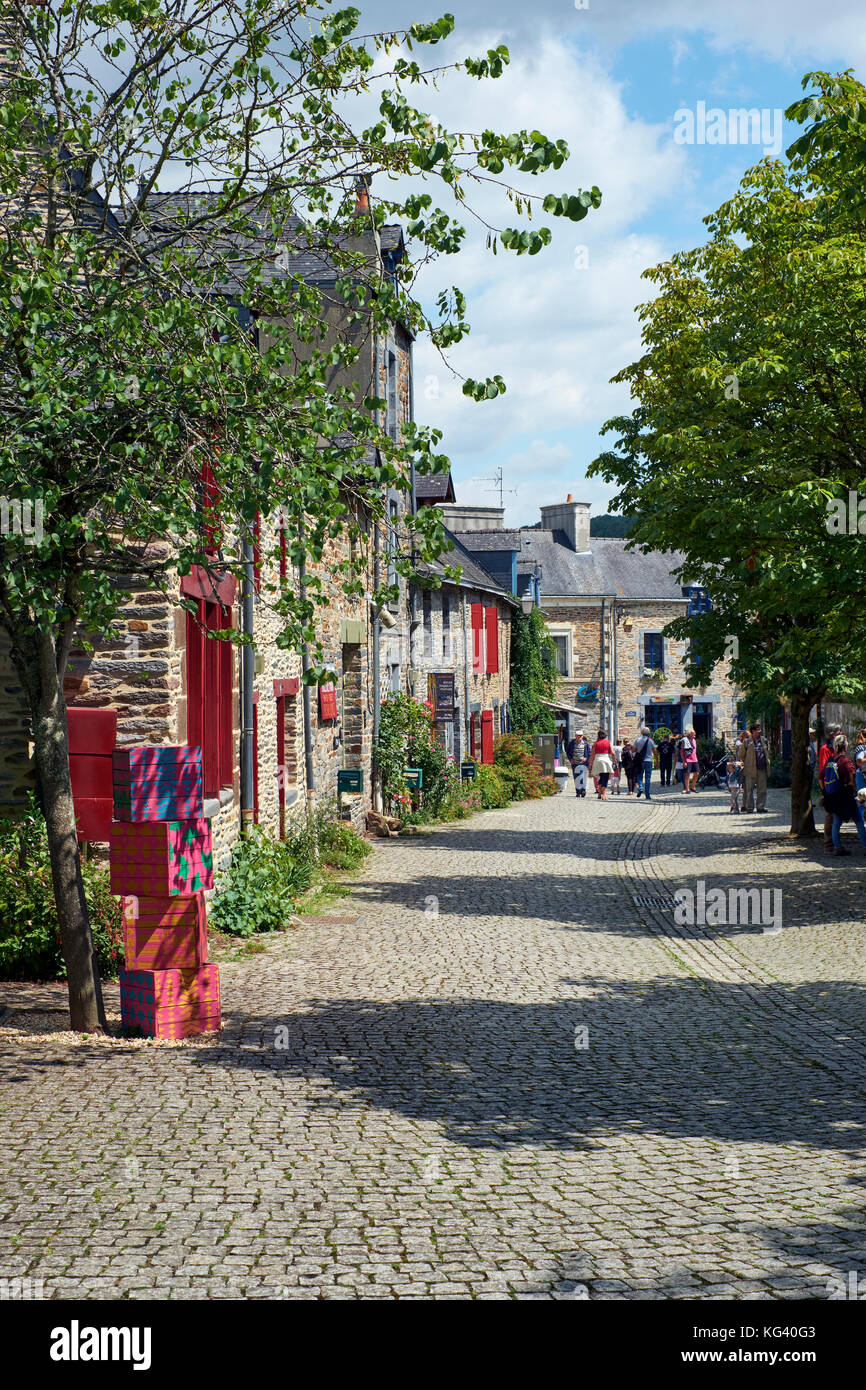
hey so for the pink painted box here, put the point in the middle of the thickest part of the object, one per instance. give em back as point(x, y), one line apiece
point(158, 859)
point(170, 1003)
point(157, 782)
point(165, 933)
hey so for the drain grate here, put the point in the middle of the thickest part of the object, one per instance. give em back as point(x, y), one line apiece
point(664, 902)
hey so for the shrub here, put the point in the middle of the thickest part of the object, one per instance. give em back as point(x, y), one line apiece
point(407, 738)
point(256, 891)
point(519, 770)
point(340, 845)
point(30, 946)
point(490, 788)
point(662, 732)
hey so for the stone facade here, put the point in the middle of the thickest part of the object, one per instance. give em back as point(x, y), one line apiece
point(443, 643)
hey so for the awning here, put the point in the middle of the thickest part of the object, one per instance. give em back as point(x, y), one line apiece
point(569, 709)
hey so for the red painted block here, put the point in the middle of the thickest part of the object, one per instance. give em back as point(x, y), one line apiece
point(91, 730)
point(157, 782)
point(170, 1003)
point(91, 775)
point(161, 859)
point(165, 933)
point(93, 818)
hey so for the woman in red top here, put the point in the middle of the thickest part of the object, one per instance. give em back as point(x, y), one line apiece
point(601, 763)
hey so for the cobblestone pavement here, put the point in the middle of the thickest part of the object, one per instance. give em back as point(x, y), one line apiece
point(501, 1069)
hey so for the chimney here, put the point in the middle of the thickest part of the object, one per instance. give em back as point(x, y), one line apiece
point(570, 517)
point(362, 194)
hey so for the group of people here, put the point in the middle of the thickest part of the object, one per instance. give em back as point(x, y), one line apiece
point(748, 765)
point(605, 762)
point(842, 780)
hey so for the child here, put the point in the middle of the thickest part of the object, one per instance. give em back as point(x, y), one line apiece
point(735, 776)
point(614, 776)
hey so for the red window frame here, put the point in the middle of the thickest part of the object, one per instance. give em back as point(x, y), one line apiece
point(478, 638)
point(209, 718)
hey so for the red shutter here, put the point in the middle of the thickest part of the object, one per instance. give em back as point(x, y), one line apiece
point(478, 638)
point(473, 736)
point(487, 735)
point(491, 617)
point(211, 744)
point(281, 762)
point(194, 680)
point(226, 705)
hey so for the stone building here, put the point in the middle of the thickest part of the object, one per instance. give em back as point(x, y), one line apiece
point(170, 684)
point(605, 608)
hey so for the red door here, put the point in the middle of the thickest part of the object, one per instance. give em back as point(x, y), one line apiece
point(487, 736)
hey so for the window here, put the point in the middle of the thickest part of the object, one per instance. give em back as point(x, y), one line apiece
point(560, 653)
point(446, 628)
point(392, 424)
point(427, 613)
point(699, 599)
point(392, 541)
point(477, 639)
point(653, 651)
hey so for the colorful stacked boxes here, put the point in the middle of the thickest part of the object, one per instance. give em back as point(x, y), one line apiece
point(171, 1003)
point(155, 784)
point(164, 933)
point(162, 863)
point(158, 859)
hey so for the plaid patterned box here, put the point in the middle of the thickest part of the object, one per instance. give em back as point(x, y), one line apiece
point(170, 1003)
point(165, 933)
point(159, 859)
point(169, 990)
point(157, 782)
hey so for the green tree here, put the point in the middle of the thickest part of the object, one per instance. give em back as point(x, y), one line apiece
point(749, 430)
point(142, 417)
point(533, 675)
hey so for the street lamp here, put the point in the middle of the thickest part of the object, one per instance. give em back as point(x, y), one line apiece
point(527, 603)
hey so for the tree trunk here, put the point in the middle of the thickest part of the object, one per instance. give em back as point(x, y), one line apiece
point(802, 819)
point(51, 739)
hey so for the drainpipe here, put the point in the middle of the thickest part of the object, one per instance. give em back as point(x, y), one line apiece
point(310, 777)
point(615, 691)
point(603, 720)
point(247, 677)
point(377, 692)
point(466, 744)
point(413, 507)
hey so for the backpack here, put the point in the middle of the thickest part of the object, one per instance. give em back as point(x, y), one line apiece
point(832, 782)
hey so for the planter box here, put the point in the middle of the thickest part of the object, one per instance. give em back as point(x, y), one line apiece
point(154, 782)
point(161, 859)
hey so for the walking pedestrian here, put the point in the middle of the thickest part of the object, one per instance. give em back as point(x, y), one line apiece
point(577, 753)
point(617, 768)
point(860, 760)
point(735, 772)
point(691, 767)
point(602, 764)
point(643, 754)
point(628, 765)
point(825, 752)
point(840, 796)
point(813, 755)
point(756, 763)
point(666, 760)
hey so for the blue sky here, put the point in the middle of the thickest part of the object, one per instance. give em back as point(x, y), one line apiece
point(609, 79)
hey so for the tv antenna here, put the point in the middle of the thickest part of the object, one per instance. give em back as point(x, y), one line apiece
point(497, 485)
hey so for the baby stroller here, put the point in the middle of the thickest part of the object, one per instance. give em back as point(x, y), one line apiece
point(715, 774)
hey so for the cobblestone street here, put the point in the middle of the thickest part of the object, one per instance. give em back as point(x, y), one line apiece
point(500, 1069)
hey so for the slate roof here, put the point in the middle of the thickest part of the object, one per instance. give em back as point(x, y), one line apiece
point(490, 540)
point(608, 568)
point(184, 218)
point(473, 574)
point(434, 487)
